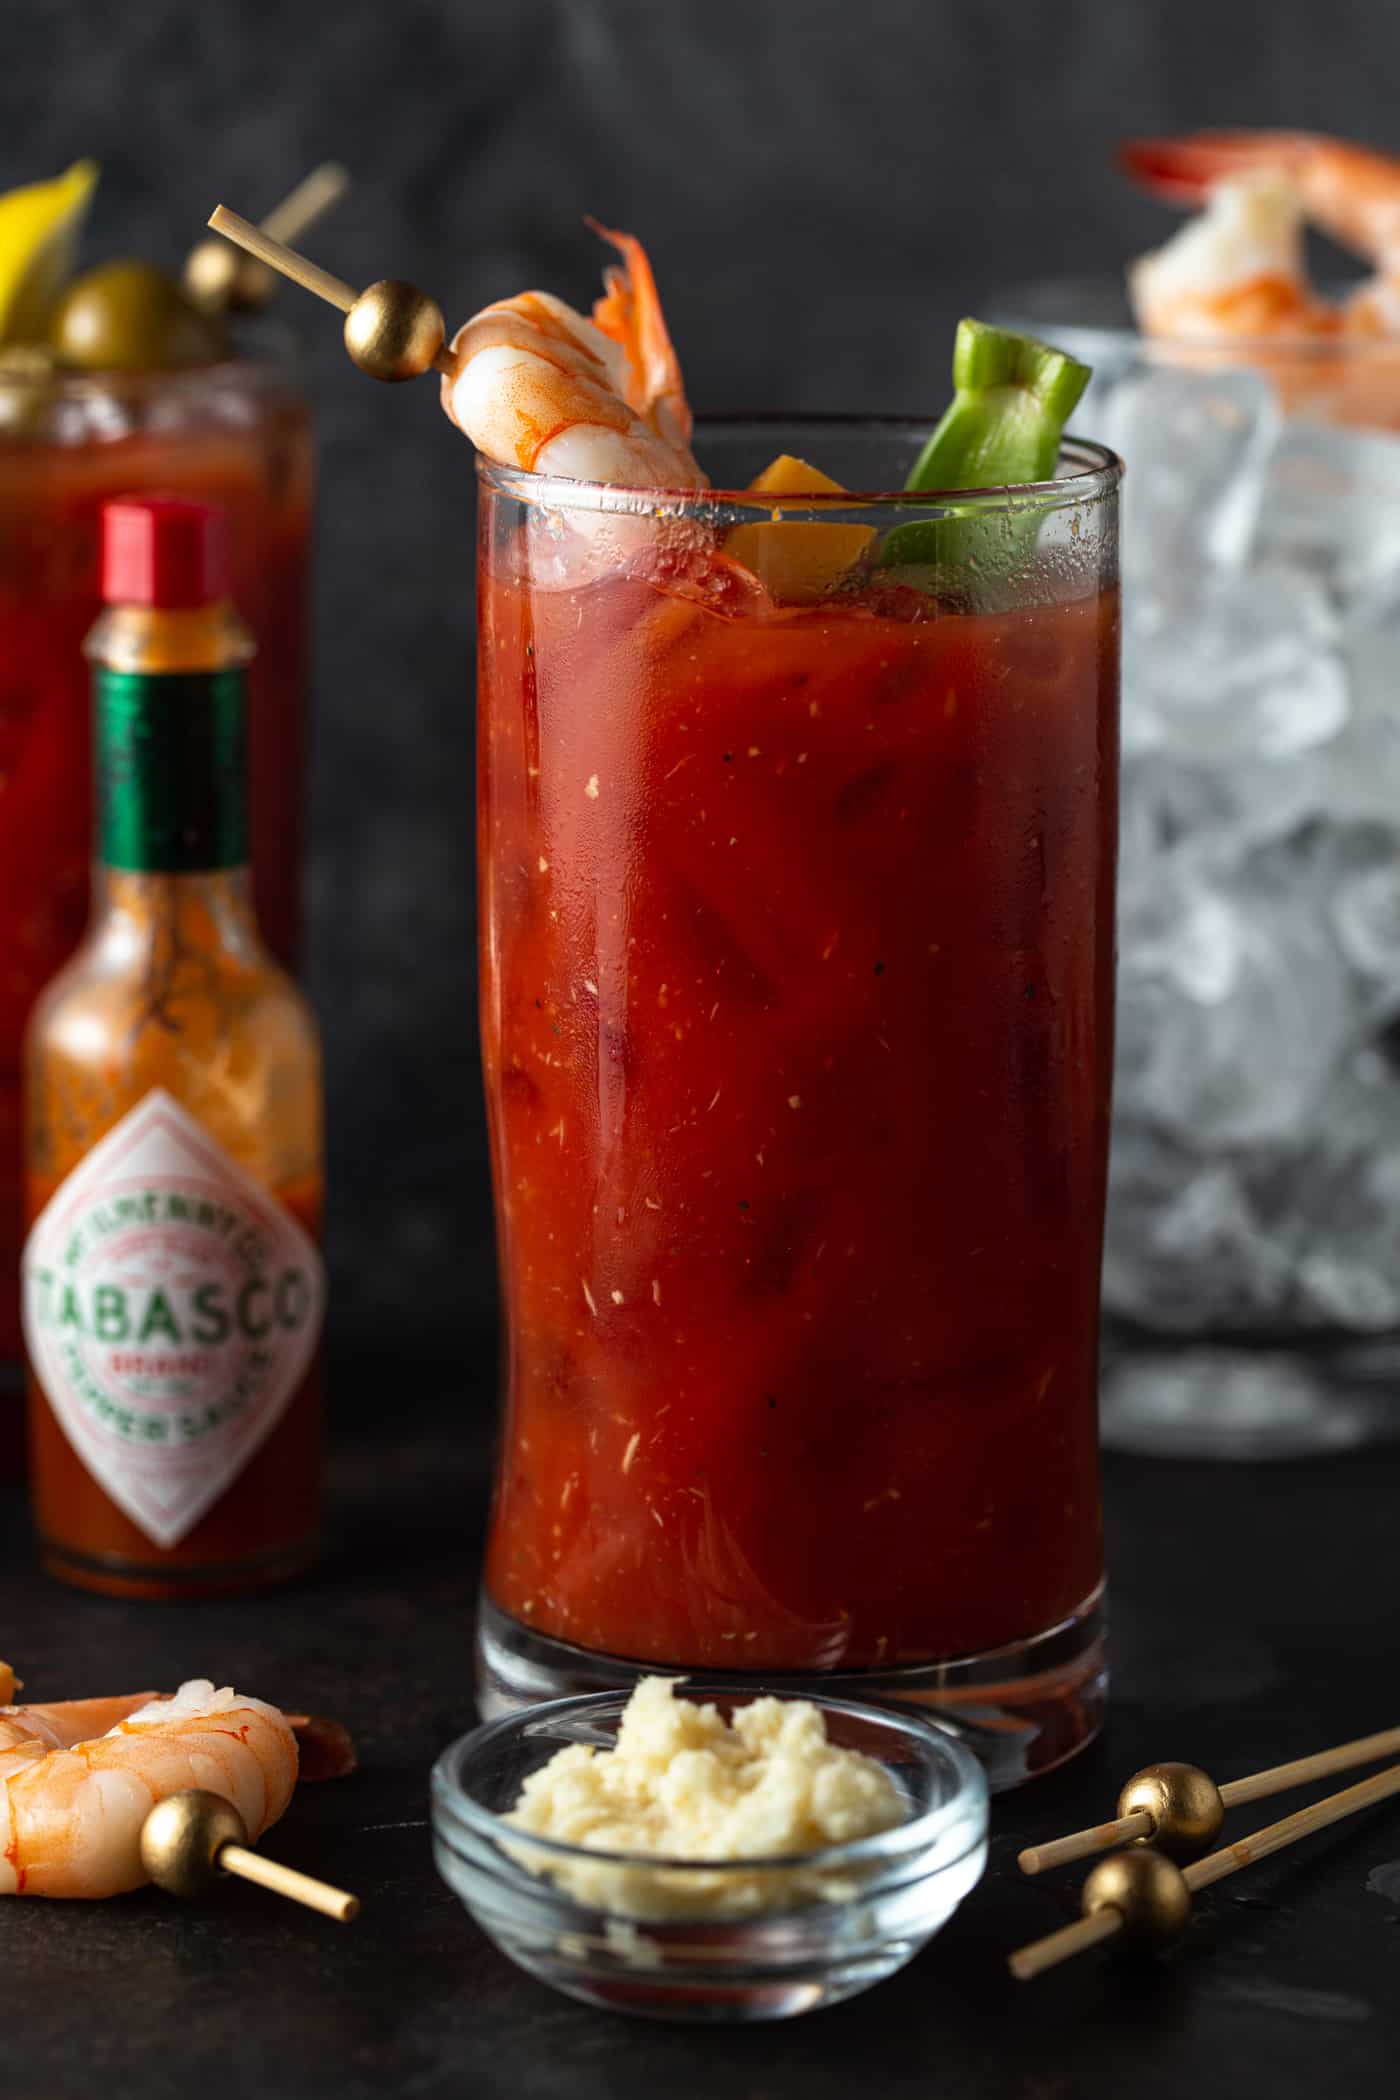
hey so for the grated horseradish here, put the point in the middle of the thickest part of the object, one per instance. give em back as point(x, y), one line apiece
point(684, 1783)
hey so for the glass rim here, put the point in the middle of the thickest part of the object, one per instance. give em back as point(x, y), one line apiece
point(917, 1833)
point(264, 350)
point(1094, 475)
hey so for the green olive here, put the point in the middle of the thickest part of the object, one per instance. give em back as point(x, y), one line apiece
point(131, 317)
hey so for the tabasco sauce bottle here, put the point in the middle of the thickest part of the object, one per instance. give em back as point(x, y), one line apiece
point(173, 1291)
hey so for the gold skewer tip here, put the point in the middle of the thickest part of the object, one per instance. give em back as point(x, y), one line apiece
point(393, 330)
point(1145, 1898)
point(191, 1838)
point(1179, 1809)
point(218, 276)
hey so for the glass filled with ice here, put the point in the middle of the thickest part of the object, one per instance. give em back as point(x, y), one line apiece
point(1252, 1269)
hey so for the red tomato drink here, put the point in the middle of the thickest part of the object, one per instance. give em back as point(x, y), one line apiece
point(797, 983)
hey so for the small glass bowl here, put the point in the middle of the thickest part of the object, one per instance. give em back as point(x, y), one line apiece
point(885, 1896)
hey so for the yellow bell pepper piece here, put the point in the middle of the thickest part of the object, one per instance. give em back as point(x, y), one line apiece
point(789, 476)
point(798, 559)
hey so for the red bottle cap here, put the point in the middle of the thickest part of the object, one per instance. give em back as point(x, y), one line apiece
point(165, 551)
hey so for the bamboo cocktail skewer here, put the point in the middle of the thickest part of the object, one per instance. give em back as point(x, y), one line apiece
point(1181, 1807)
point(218, 275)
point(191, 1838)
point(1141, 1893)
point(279, 256)
point(312, 198)
point(392, 330)
point(286, 1881)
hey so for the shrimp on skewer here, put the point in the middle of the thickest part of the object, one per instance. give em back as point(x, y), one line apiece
point(78, 1779)
point(1238, 269)
point(537, 385)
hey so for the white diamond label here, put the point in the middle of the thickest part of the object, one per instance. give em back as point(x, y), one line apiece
point(172, 1308)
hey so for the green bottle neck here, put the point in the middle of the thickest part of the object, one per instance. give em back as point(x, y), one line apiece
point(171, 770)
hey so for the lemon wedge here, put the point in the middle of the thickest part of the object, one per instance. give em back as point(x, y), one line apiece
point(39, 229)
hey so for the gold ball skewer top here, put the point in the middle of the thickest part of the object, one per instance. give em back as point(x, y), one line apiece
point(1142, 1896)
point(1149, 1893)
point(394, 331)
point(220, 279)
point(183, 1836)
point(1185, 1806)
point(192, 1839)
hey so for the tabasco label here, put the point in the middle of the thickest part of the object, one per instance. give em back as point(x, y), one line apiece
point(171, 1310)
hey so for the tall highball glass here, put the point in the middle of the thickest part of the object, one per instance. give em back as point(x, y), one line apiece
point(797, 835)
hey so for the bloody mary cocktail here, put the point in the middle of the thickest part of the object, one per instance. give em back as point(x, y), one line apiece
point(235, 433)
point(797, 954)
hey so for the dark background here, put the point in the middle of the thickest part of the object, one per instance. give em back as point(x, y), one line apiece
point(823, 184)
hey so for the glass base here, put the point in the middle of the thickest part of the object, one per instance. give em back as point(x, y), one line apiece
point(1214, 1401)
point(1021, 1709)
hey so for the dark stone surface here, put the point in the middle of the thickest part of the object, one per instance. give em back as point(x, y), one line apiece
point(1254, 1619)
point(824, 187)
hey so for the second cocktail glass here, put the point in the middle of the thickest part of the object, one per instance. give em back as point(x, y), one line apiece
point(797, 874)
point(236, 433)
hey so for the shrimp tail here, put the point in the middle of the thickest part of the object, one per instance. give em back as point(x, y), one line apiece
point(325, 1748)
point(9, 1684)
point(1185, 170)
point(630, 314)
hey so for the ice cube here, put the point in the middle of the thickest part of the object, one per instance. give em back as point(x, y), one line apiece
point(1246, 669)
point(92, 416)
point(1366, 914)
point(1361, 767)
point(566, 549)
point(1346, 1201)
point(1167, 811)
point(1195, 444)
point(1335, 1291)
point(1169, 802)
point(1185, 1250)
point(1233, 1021)
point(1330, 511)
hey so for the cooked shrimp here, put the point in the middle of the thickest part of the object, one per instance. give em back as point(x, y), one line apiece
point(536, 385)
point(78, 1779)
point(1238, 269)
